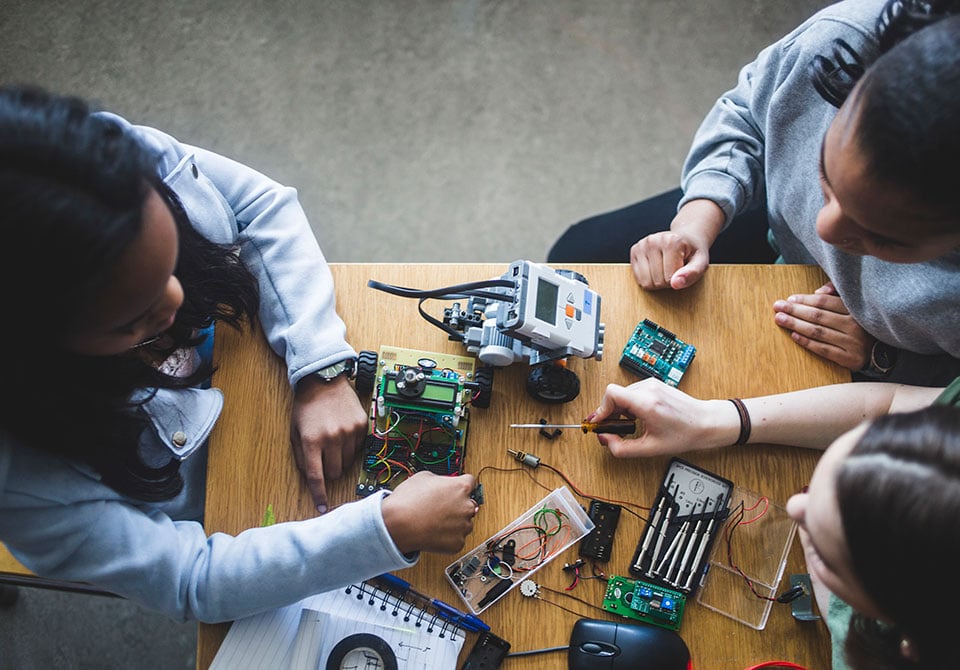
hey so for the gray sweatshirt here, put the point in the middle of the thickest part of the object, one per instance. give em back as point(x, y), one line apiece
point(762, 141)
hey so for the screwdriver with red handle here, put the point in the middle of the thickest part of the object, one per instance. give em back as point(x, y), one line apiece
point(611, 426)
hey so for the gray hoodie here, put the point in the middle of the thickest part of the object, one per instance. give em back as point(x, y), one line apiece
point(762, 141)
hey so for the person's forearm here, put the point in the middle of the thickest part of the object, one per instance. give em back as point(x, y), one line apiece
point(813, 418)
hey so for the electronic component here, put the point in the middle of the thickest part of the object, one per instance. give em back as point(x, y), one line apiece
point(529, 588)
point(653, 351)
point(598, 545)
point(498, 590)
point(487, 653)
point(644, 601)
point(801, 607)
point(552, 311)
point(419, 414)
point(531, 312)
point(530, 460)
point(687, 514)
point(514, 554)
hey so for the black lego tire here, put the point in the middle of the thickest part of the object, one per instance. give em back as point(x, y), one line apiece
point(366, 372)
point(484, 379)
point(552, 384)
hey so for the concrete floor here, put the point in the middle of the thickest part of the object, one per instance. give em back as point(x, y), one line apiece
point(421, 130)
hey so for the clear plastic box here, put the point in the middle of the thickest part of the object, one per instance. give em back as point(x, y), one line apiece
point(492, 569)
point(769, 536)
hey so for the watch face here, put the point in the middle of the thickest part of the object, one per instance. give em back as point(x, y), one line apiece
point(884, 357)
point(333, 371)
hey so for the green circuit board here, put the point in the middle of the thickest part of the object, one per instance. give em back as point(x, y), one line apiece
point(653, 351)
point(643, 601)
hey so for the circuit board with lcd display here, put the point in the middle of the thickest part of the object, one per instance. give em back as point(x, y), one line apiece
point(419, 416)
point(645, 602)
point(653, 351)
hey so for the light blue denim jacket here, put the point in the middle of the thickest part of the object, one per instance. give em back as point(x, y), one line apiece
point(60, 521)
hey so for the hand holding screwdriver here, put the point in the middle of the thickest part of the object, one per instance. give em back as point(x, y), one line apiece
point(670, 421)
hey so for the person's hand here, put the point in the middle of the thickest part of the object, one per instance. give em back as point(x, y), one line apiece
point(429, 512)
point(327, 426)
point(678, 258)
point(672, 421)
point(820, 323)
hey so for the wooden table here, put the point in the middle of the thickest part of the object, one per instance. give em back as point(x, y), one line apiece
point(740, 352)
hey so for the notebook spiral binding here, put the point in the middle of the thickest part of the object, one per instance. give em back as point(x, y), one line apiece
point(408, 609)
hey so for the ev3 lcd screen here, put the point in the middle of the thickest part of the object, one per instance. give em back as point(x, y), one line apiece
point(547, 301)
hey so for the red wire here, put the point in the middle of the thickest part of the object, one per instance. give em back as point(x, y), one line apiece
point(766, 506)
point(580, 493)
point(777, 664)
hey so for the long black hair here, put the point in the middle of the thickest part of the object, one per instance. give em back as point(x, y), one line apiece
point(908, 99)
point(898, 494)
point(72, 189)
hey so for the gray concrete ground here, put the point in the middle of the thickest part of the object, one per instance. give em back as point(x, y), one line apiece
point(415, 130)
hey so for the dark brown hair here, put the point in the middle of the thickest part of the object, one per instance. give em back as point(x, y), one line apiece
point(899, 498)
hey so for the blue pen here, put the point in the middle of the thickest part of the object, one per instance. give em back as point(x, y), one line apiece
point(467, 621)
point(444, 611)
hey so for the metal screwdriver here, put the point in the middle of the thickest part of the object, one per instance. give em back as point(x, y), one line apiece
point(612, 426)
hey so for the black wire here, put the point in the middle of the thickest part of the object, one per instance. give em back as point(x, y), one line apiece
point(538, 651)
point(569, 595)
point(452, 332)
point(452, 292)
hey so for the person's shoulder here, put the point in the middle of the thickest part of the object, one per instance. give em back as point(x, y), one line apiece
point(853, 21)
point(165, 147)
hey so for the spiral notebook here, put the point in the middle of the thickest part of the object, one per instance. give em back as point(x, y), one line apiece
point(360, 626)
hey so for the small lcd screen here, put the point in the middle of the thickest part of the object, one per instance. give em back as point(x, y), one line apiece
point(547, 301)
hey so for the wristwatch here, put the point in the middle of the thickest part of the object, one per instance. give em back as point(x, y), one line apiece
point(882, 358)
point(338, 369)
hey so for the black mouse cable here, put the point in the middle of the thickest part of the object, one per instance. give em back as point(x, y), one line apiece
point(532, 652)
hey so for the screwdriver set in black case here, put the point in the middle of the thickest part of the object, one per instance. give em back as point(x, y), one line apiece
point(690, 509)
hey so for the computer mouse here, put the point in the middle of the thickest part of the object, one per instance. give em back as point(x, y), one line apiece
point(596, 644)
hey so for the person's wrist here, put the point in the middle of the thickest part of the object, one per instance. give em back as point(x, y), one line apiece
point(726, 426)
point(702, 219)
point(396, 525)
